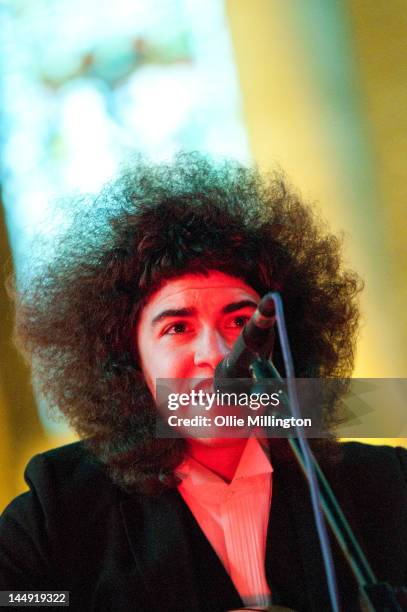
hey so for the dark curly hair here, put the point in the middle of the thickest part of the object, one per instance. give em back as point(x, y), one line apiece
point(76, 316)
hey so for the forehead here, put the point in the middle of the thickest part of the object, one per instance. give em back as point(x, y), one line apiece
point(192, 289)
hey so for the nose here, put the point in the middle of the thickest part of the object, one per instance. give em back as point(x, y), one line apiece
point(211, 348)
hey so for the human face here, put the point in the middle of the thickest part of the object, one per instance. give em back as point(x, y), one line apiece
point(190, 324)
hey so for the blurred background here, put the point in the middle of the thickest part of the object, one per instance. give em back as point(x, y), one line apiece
point(317, 88)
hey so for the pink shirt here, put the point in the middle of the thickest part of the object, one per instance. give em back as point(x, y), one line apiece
point(234, 517)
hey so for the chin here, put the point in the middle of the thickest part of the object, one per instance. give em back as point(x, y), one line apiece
point(216, 442)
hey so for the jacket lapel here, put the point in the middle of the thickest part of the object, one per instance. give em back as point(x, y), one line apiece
point(162, 555)
point(293, 560)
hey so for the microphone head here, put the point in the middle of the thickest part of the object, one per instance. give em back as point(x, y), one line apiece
point(266, 306)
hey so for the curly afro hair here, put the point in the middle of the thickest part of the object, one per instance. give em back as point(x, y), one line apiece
point(76, 316)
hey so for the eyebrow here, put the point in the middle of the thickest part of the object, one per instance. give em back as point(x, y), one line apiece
point(238, 306)
point(173, 312)
point(190, 312)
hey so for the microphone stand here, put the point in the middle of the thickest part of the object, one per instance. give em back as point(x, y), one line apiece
point(375, 596)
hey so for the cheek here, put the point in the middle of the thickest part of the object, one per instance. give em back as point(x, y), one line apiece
point(176, 362)
point(160, 361)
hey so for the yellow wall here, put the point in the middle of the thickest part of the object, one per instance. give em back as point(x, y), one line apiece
point(325, 97)
point(380, 48)
point(312, 80)
point(7, 490)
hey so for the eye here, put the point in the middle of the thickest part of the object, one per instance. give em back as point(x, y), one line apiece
point(176, 328)
point(237, 322)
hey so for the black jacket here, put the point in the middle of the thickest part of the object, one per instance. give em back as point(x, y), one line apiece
point(77, 531)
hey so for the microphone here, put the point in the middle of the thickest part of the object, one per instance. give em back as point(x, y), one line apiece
point(256, 340)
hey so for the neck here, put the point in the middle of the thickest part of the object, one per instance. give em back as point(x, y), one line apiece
point(220, 456)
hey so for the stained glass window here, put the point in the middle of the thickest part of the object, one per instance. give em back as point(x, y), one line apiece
point(86, 83)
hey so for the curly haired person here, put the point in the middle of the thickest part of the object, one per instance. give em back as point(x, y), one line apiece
point(155, 278)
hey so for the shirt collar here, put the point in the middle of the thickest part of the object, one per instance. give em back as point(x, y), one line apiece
point(253, 462)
